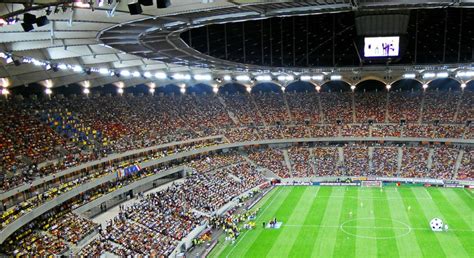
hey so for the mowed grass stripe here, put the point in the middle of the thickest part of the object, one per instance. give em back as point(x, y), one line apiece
point(365, 246)
point(386, 238)
point(427, 241)
point(449, 242)
point(268, 208)
point(264, 241)
point(464, 196)
point(283, 244)
point(344, 245)
point(407, 244)
point(455, 221)
point(307, 236)
point(324, 244)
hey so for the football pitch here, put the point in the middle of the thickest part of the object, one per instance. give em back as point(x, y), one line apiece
point(358, 222)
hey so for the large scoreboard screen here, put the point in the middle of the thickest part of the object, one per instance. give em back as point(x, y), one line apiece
point(382, 46)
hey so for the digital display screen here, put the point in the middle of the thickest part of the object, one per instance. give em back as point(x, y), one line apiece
point(381, 46)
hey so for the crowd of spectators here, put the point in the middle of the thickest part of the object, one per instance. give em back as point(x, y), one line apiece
point(356, 160)
point(385, 161)
point(71, 227)
point(304, 107)
point(404, 105)
point(370, 106)
point(466, 168)
point(271, 159)
point(337, 106)
point(38, 244)
point(414, 162)
point(273, 108)
point(100, 246)
point(444, 162)
point(300, 162)
point(440, 106)
point(326, 161)
point(41, 136)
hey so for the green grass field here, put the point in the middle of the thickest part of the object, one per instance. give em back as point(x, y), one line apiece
point(389, 223)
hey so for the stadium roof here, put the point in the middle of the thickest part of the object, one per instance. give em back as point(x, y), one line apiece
point(105, 44)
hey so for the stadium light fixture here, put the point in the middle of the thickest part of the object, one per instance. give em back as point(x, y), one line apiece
point(249, 89)
point(181, 77)
point(86, 91)
point(429, 75)
point(4, 82)
point(152, 91)
point(125, 73)
point(463, 85)
point(284, 78)
point(147, 74)
point(77, 69)
point(353, 87)
point(242, 78)
point(227, 78)
point(202, 77)
point(182, 90)
point(215, 89)
point(62, 66)
point(409, 76)
point(335, 77)
point(305, 78)
point(136, 74)
point(263, 78)
point(442, 75)
point(465, 74)
point(103, 71)
point(160, 75)
point(318, 88)
point(425, 86)
point(388, 86)
point(48, 91)
point(120, 90)
point(319, 77)
point(5, 92)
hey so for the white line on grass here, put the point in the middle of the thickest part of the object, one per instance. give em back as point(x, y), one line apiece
point(468, 193)
point(363, 227)
point(263, 211)
point(429, 195)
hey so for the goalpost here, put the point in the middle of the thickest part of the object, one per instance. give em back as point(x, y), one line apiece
point(374, 183)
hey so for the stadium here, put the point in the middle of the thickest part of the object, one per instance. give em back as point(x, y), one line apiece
point(236, 128)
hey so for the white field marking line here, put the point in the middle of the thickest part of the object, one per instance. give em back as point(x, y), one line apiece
point(426, 191)
point(263, 211)
point(468, 193)
point(363, 227)
point(375, 198)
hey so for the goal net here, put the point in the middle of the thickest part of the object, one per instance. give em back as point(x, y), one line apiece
point(371, 183)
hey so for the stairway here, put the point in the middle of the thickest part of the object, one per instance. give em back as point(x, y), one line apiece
point(458, 164)
point(387, 100)
point(353, 108)
point(458, 105)
point(421, 108)
point(258, 110)
point(429, 162)
point(287, 161)
point(231, 114)
point(312, 161)
point(288, 108)
point(399, 160)
point(321, 113)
